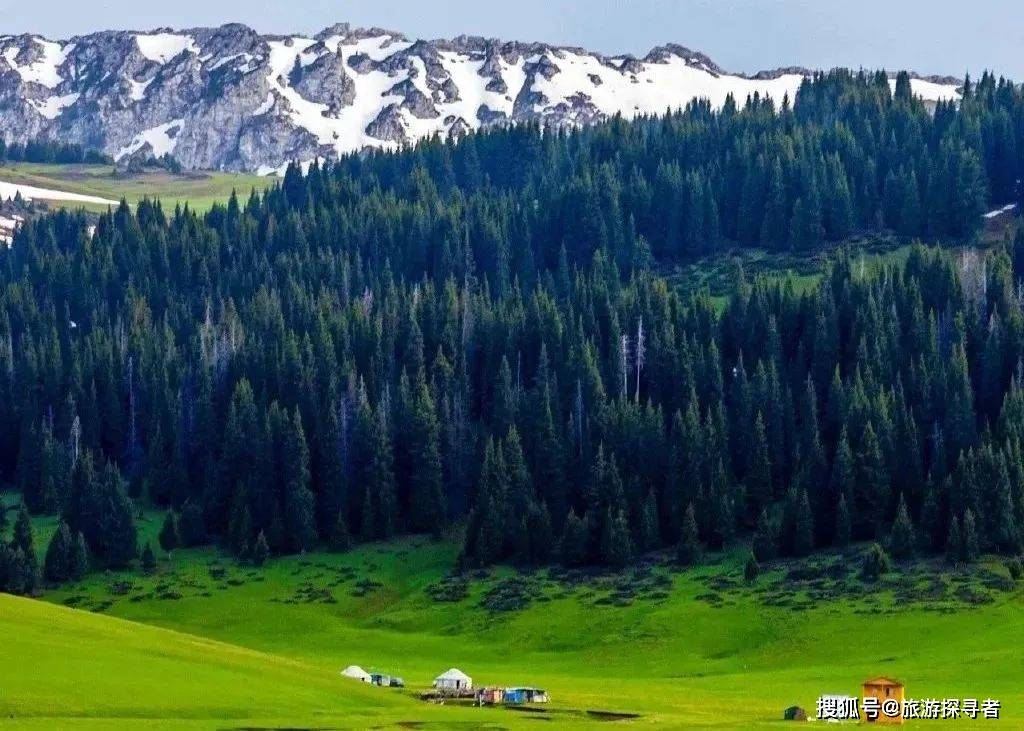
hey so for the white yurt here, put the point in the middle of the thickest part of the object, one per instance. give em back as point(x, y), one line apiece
point(453, 679)
point(356, 673)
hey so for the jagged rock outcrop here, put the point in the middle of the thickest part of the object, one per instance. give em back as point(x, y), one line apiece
point(230, 98)
point(327, 81)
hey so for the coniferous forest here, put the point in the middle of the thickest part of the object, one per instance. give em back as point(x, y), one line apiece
point(50, 152)
point(480, 335)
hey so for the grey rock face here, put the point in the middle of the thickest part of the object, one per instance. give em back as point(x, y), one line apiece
point(457, 127)
point(326, 80)
point(388, 125)
point(418, 103)
point(488, 116)
point(230, 98)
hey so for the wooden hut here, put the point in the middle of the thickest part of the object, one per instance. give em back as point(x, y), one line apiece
point(884, 689)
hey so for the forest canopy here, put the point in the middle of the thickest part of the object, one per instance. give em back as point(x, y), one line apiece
point(479, 333)
point(48, 151)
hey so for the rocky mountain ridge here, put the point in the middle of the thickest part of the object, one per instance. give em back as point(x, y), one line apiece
point(230, 98)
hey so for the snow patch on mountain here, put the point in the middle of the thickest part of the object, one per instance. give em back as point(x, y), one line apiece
point(162, 47)
point(265, 106)
point(376, 48)
point(228, 59)
point(53, 106)
point(930, 90)
point(230, 98)
point(45, 69)
point(345, 130)
point(161, 139)
point(657, 87)
point(8, 191)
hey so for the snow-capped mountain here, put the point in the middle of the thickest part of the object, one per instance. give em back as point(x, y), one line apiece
point(230, 98)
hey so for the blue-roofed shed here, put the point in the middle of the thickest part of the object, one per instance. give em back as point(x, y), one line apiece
point(519, 696)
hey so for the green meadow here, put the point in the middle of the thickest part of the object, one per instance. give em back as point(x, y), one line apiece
point(200, 190)
point(717, 273)
point(207, 643)
point(652, 647)
point(71, 669)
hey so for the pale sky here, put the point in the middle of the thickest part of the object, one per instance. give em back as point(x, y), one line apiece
point(929, 36)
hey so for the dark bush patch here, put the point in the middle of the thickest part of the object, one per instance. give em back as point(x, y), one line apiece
point(510, 595)
point(992, 580)
point(805, 572)
point(453, 588)
point(973, 596)
point(364, 587)
point(721, 582)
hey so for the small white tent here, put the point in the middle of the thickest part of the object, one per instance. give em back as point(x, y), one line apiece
point(356, 673)
point(453, 679)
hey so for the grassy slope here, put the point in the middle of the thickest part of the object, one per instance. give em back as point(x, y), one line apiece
point(199, 190)
point(80, 668)
point(678, 661)
point(803, 271)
